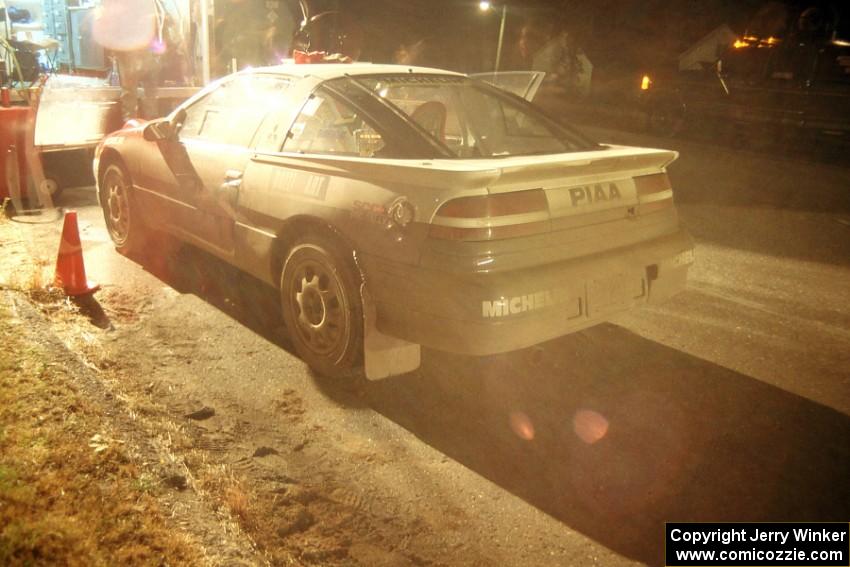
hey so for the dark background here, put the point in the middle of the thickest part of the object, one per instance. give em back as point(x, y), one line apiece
point(613, 33)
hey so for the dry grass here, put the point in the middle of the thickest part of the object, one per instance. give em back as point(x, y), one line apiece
point(24, 267)
point(29, 274)
point(70, 494)
point(237, 502)
point(225, 488)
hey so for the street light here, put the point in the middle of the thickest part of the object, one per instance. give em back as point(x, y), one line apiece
point(485, 6)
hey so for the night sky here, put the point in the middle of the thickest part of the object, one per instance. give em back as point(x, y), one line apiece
point(618, 33)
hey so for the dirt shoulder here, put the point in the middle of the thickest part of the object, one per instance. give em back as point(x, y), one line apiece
point(231, 435)
point(71, 489)
point(231, 486)
point(84, 480)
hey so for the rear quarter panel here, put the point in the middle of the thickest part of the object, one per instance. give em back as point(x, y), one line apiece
point(351, 194)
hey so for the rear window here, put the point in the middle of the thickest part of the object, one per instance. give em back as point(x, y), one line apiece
point(468, 118)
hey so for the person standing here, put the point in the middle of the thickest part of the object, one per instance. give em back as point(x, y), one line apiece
point(135, 34)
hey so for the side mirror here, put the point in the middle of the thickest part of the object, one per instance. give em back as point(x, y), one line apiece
point(177, 120)
point(158, 130)
point(164, 129)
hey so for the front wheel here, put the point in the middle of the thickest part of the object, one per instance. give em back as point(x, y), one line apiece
point(122, 220)
point(322, 308)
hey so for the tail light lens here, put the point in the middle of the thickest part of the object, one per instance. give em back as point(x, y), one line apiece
point(492, 217)
point(654, 193)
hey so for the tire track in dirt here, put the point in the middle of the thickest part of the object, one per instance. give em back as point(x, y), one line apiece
point(279, 471)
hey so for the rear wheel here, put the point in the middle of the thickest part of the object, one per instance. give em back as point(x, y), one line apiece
point(322, 308)
point(122, 220)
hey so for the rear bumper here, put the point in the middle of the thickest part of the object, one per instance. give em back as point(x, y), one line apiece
point(488, 313)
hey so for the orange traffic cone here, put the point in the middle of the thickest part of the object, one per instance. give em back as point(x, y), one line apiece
point(70, 271)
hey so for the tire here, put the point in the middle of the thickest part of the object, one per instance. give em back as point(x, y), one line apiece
point(122, 220)
point(322, 307)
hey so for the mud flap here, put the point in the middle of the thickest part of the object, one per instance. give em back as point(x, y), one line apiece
point(384, 356)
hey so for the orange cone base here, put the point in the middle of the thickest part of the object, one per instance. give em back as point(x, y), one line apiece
point(89, 287)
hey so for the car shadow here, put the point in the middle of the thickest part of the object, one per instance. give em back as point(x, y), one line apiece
point(613, 435)
point(604, 430)
point(244, 298)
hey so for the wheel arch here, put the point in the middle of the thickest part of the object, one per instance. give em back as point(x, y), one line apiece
point(347, 362)
point(299, 225)
point(110, 156)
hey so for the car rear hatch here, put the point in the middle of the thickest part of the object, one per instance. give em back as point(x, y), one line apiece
point(560, 207)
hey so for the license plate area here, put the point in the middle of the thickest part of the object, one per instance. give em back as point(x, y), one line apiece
point(614, 293)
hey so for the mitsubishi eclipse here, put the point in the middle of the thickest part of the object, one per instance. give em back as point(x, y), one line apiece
point(397, 206)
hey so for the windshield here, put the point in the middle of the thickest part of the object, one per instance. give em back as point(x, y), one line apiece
point(468, 118)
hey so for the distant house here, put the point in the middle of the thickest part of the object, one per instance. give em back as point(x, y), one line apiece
point(707, 50)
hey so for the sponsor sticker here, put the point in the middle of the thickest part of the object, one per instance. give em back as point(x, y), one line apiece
point(588, 194)
point(507, 306)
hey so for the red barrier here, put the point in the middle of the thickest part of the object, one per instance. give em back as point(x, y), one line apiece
point(14, 124)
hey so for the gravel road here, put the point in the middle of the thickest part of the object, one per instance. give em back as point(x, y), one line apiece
point(729, 403)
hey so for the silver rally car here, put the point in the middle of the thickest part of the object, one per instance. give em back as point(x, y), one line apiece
point(398, 206)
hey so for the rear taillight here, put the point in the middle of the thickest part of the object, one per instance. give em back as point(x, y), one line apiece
point(654, 193)
point(653, 184)
point(492, 217)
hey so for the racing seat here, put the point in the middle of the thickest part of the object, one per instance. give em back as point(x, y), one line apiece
point(431, 116)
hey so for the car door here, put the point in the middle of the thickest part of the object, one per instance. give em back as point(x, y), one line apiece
point(209, 156)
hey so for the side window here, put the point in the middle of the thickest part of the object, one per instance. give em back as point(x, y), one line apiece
point(195, 115)
point(232, 113)
point(327, 125)
point(271, 135)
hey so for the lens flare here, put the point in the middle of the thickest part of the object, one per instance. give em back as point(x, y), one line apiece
point(590, 426)
point(157, 46)
point(125, 26)
point(522, 426)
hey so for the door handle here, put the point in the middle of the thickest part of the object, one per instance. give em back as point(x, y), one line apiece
point(232, 175)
